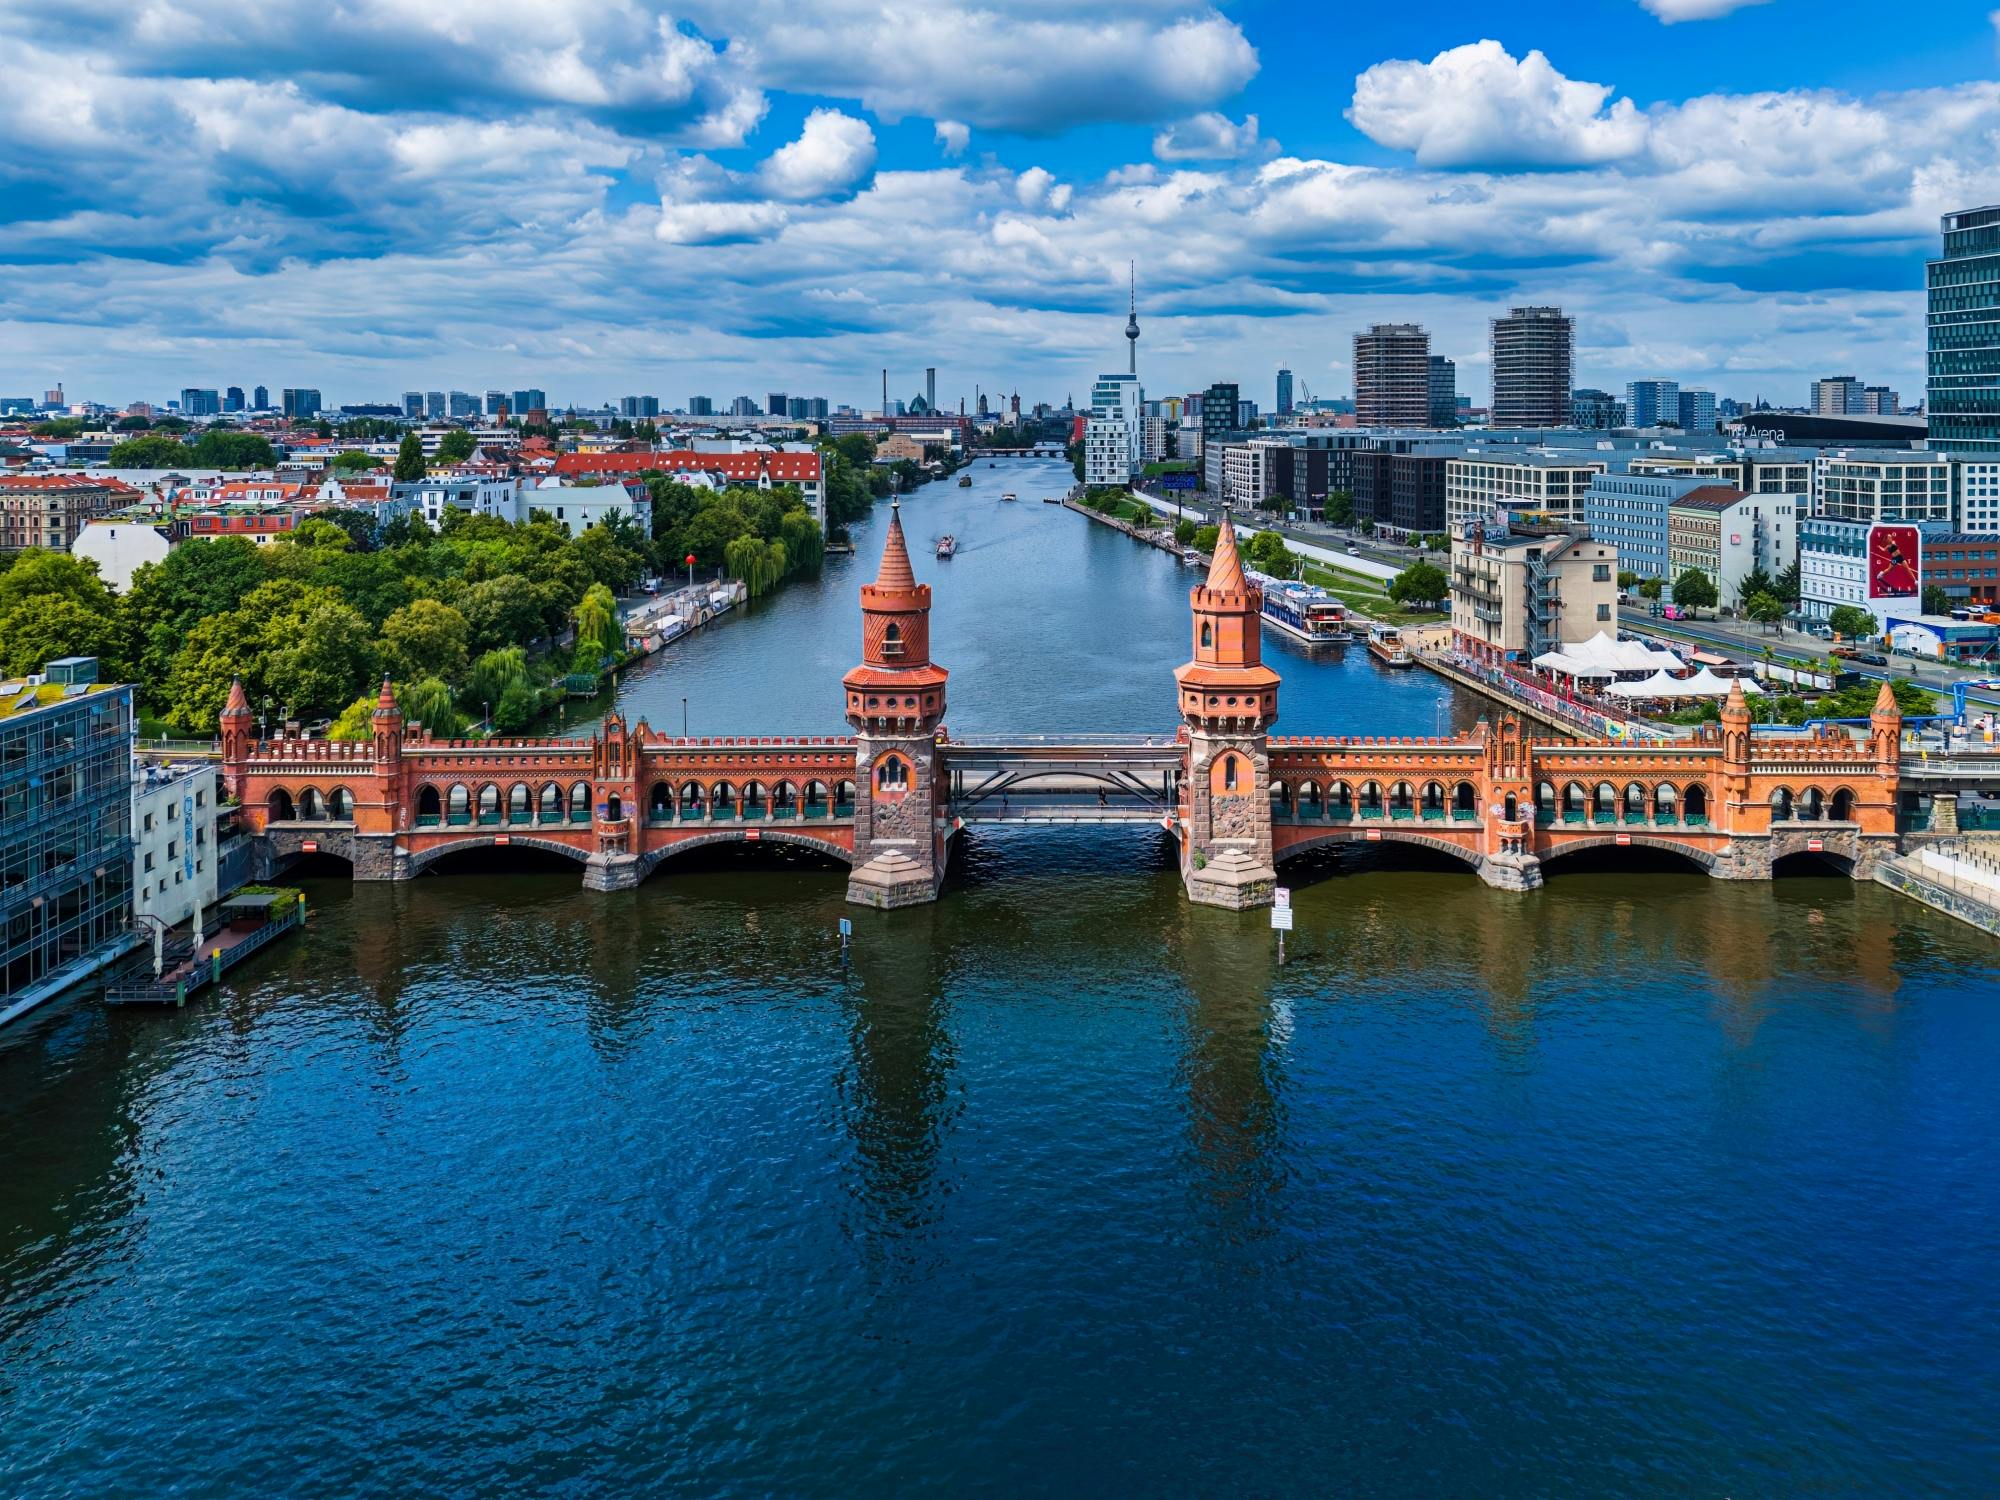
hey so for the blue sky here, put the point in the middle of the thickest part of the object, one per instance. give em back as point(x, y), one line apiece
point(622, 196)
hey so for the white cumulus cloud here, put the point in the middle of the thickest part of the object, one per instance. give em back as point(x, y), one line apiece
point(1479, 105)
point(1671, 11)
point(834, 151)
point(1211, 136)
point(953, 136)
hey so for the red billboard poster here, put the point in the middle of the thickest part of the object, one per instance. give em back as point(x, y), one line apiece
point(1895, 569)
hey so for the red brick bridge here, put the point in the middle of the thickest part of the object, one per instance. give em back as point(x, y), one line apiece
point(888, 798)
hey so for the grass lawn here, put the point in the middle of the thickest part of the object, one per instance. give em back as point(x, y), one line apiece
point(1367, 597)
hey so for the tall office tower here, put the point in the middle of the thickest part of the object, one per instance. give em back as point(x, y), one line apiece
point(300, 402)
point(816, 408)
point(638, 408)
point(1648, 403)
point(1963, 327)
point(1696, 411)
point(700, 406)
point(1836, 396)
point(260, 399)
point(930, 388)
point(798, 407)
point(1284, 393)
point(232, 399)
point(434, 407)
point(413, 404)
point(196, 402)
point(1534, 349)
point(462, 405)
point(775, 404)
point(496, 402)
point(743, 406)
point(1444, 392)
point(1595, 410)
point(1880, 401)
point(529, 400)
point(982, 404)
point(1392, 376)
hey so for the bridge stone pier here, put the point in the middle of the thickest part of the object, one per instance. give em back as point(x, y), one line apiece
point(889, 798)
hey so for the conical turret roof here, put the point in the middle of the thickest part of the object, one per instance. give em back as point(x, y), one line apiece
point(895, 571)
point(1225, 573)
point(239, 701)
point(1885, 702)
point(385, 701)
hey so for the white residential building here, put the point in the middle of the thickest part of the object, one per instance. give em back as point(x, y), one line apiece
point(121, 546)
point(173, 841)
point(1976, 485)
point(1545, 483)
point(1882, 485)
point(481, 496)
point(1114, 436)
point(577, 507)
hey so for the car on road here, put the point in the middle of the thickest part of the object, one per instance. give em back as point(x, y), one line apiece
point(1353, 551)
point(1871, 658)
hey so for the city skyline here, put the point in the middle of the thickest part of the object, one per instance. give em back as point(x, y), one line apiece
point(1710, 199)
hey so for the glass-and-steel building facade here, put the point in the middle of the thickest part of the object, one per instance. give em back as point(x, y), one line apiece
point(1963, 331)
point(65, 836)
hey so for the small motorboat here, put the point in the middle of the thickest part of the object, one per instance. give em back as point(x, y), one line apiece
point(1010, 495)
point(965, 482)
point(947, 545)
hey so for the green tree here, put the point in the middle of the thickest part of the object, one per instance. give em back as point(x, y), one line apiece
point(456, 446)
point(410, 459)
point(1695, 590)
point(599, 635)
point(1340, 508)
point(217, 449)
point(1652, 588)
point(502, 611)
point(133, 423)
point(1421, 583)
point(1627, 579)
point(425, 639)
point(356, 722)
point(495, 672)
point(1205, 538)
point(155, 450)
point(1766, 608)
point(517, 708)
point(197, 581)
point(1852, 621)
point(1757, 581)
point(1184, 531)
point(40, 630)
point(1935, 600)
point(318, 662)
point(1786, 586)
point(1268, 553)
point(59, 428)
point(353, 461)
point(40, 574)
point(316, 532)
point(429, 702)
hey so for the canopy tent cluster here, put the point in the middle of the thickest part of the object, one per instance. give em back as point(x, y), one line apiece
point(1704, 684)
point(1603, 657)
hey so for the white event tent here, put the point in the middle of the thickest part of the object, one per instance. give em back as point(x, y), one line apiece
point(1603, 656)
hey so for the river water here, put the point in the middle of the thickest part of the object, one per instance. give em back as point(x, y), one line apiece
point(1639, 1183)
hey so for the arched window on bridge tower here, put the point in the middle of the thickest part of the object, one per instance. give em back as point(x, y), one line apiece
point(1606, 810)
point(784, 800)
point(550, 804)
point(816, 801)
point(489, 803)
point(722, 800)
point(579, 802)
point(892, 774)
point(614, 808)
point(520, 803)
point(1433, 799)
point(1576, 805)
point(1309, 803)
point(1665, 802)
point(1812, 804)
point(1781, 804)
point(1511, 809)
point(340, 805)
point(430, 806)
point(892, 640)
point(660, 803)
point(1207, 634)
point(694, 801)
point(1694, 803)
point(458, 804)
point(312, 807)
point(1635, 802)
point(1842, 810)
point(279, 806)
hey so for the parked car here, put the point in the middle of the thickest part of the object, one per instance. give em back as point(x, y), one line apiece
point(1871, 658)
point(1845, 653)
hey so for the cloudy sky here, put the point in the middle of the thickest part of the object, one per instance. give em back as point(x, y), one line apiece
point(611, 196)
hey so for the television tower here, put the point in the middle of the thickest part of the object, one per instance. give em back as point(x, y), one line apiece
point(1132, 321)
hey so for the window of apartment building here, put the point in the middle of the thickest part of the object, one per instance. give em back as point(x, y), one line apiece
point(1600, 573)
point(1603, 611)
point(149, 863)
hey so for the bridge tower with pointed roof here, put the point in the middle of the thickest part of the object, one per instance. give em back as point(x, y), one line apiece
point(895, 703)
point(1228, 700)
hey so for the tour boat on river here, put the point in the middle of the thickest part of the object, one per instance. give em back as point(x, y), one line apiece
point(947, 545)
point(1010, 495)
point(1305, 612)
point(965, 482)
point(1385, 644)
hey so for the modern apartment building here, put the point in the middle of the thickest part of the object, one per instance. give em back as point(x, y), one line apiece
point(1218, 420)
point(1725, 535)
point(698, 406)
point(1696, 411)
point(1595, 410)
point(1976, 494)
point(196, 402)
point(1760, 472)
point(1534, 350)
point(174, 859)
point(1444, 392)
point(65, 832)
point(1630, 512)
point(1965, 566)
point(1519, 592)
point(1392, 376)
point(1963, 335)
point(1836, 396)
point(1401, 493)
point(1484, 481)
point(1284, 406)
point(1114, 437)
point(1649, 403)
point(1883, 485)
point(300, 403)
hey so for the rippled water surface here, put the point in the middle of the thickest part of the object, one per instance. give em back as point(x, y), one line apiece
point(1640, 1183)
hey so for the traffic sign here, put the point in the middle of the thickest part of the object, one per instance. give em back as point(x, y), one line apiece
point(1282, 896)
point(846, 927)
point(1281, 918)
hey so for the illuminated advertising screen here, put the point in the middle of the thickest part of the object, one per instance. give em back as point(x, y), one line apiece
point(1895, 564)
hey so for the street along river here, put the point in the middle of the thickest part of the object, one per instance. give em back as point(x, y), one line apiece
point(1639, 1183)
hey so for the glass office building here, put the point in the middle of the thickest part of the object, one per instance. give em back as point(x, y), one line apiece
point(65, 832)
point(1963, 330)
